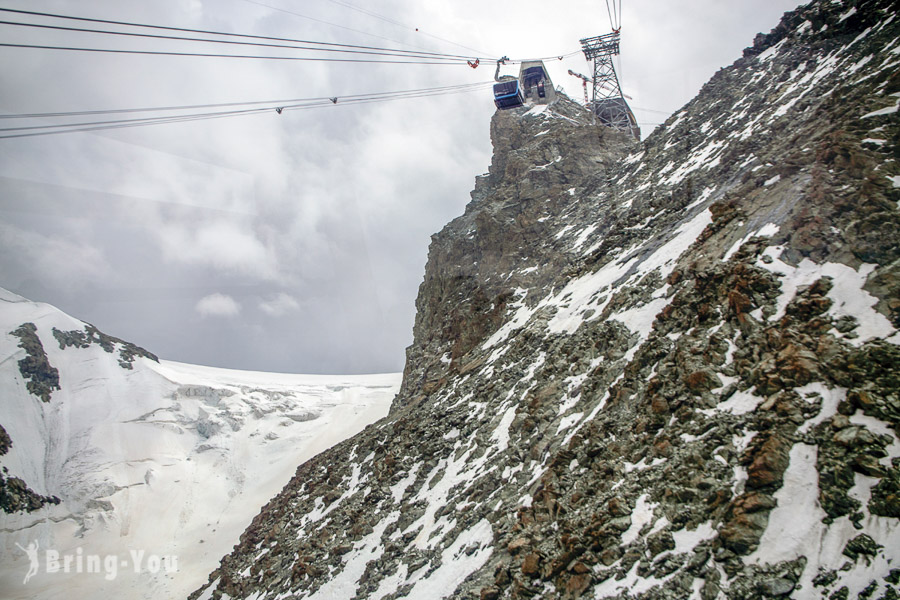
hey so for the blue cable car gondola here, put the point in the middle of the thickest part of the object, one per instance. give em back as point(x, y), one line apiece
point(508, 94)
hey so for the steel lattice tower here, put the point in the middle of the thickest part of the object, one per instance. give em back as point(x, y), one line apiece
point(608, 102)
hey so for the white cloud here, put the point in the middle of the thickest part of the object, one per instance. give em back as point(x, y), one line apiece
point(223, 245)
point(280, 305)
point(218, 305)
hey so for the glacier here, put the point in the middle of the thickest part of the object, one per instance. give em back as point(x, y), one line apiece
point(162, 459)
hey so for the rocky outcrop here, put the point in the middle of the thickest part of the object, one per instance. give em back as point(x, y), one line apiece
point(15, 495)
point(477, 263)
point(41, 377)
point(664, 370)
point(91, 335)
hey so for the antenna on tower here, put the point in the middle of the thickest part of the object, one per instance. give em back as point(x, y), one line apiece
point(608, 102)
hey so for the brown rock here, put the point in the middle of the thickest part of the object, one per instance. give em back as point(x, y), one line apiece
point(431, 387)
point(618, 507)
point(472, 365)
point(717, 498)
point(797, 364)
point(741, 534)
point(749, 515)
point(739, 302)
point(580, 568)
point(610, 555)
point(659, 405)
point(577, 584)
point(531, 566)
point(490, 593)
point(663, 447)
point(517, 544)
point(861, 399)
point(770, 462)
point(755, 502)
point(700, 381)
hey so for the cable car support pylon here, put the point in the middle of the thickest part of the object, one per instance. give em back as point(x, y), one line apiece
point(608, 101)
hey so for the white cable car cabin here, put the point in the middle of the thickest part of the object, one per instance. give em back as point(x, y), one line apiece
point(533, 86)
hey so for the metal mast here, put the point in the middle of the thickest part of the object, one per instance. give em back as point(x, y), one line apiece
point(608, 102)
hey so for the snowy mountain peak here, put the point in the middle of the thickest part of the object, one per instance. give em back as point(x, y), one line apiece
point(655, 371)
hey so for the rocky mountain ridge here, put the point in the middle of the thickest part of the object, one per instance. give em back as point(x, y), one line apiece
point(657, 370)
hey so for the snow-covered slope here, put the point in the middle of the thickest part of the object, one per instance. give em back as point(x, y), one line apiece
point(164, 458)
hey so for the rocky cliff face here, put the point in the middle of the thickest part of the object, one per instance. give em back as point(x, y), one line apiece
point(664, 370)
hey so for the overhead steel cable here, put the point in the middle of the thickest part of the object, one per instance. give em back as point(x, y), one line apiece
point(145, 120)
point(653, 110)
point(386, 52)
point(555, 57)
point(276, 102)
point(204, 116)
point(423, 56)
point(41, 130)
point(221, 33)
point(370, 99)
point(83, 113)
point(435, 61)
point(615, 14)
point(413, 61)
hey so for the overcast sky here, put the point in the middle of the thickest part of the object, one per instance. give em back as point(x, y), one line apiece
point(292, 242)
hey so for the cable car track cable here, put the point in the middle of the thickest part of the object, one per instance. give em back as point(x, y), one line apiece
point(222, 33)
point(244, 56)
point(385, 52)
point(40, 130)
point(279, 102)
point(436, 56)
point(544, 58)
